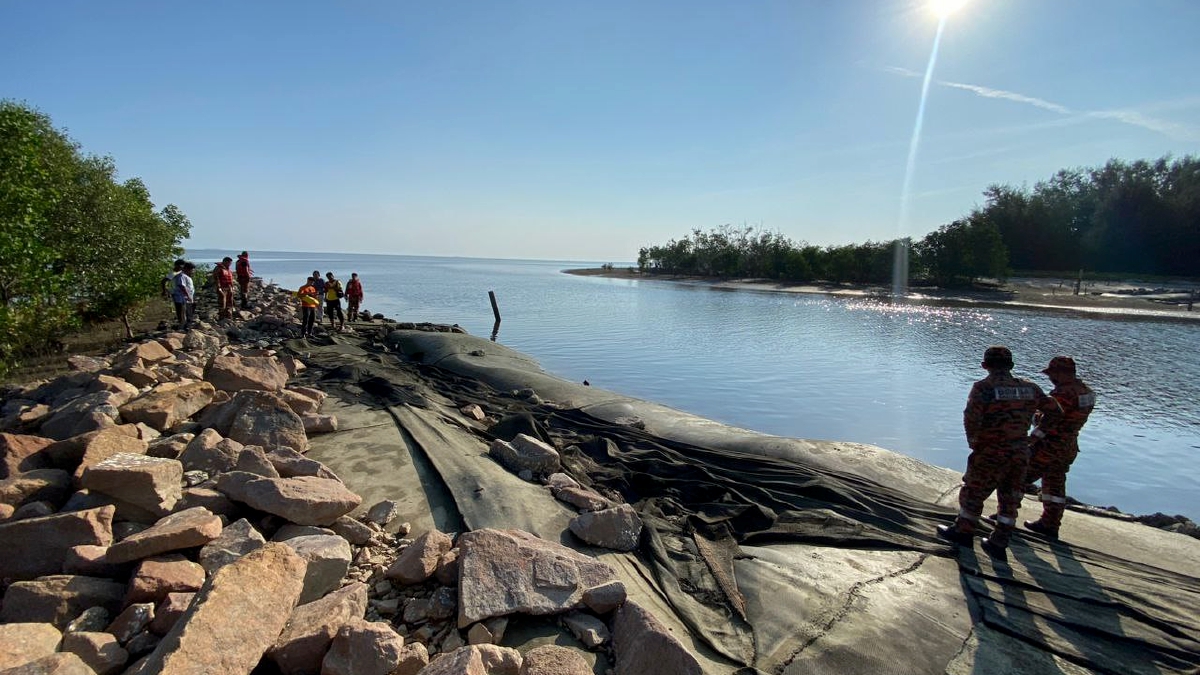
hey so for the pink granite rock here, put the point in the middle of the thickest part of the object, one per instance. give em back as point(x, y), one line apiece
point(185, 529)
point(419, 560)
point(37, 547)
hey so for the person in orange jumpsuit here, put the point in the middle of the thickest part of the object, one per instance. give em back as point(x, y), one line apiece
point(1056, 443)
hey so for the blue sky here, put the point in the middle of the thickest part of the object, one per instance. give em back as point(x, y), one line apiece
point(585, 130)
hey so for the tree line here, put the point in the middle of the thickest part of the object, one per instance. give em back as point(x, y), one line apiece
point(1126, 218)
point(77, 243)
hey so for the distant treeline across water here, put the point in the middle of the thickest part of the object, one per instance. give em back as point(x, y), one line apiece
point(1139, 218)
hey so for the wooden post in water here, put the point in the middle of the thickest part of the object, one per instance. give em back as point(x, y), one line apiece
point(495, 313)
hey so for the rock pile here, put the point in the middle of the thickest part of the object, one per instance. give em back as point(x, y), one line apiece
point(158, 515)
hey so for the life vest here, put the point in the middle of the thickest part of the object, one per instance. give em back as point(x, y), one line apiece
point(333, 290)
point(243, 268)
point(224, 276)
point(308, 296)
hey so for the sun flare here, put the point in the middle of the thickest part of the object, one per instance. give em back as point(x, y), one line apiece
point(944, 8)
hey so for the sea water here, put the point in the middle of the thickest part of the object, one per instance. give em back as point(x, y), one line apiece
point(813, 366)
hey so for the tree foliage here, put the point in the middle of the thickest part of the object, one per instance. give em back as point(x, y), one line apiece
point(76, 243)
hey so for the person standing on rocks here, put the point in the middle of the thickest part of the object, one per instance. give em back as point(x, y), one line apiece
point(184, 294)
point(354, 296)
point(244, 272)
point(223, 275)
point(333, 301)
point(168, 281)
point(318, 283)
point(1000, 409)
point(309, 302)
point(1056, 443)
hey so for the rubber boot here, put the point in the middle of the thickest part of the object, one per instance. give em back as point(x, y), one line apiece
point(958, 533)
point(1039, 527)
point(997, 544)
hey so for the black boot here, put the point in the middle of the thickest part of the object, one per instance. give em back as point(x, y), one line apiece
point(954, 535)
point(1038, 527)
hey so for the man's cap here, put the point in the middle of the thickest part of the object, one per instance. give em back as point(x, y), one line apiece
point(997, 356)
point(226, 259)
point(1061, 364)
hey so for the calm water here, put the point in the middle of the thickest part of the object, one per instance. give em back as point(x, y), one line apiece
point(811, 366)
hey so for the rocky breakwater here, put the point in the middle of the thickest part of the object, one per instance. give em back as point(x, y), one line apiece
point(158, 515)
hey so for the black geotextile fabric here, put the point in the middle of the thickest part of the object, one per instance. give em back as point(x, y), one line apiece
point(700, 504)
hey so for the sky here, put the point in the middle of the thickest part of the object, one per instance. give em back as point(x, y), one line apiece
point(573, 130)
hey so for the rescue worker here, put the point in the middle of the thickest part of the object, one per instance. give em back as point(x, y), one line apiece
point(1056, 443)
point(244, 272)
point(224, 278)
point(354, 296)
point(333, 301)
point(318, 283)
point(309, 302)
point(1000, 409)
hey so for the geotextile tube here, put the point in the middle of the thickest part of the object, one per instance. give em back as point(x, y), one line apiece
point(779, 555)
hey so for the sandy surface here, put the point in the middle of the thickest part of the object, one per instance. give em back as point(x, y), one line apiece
point(1129, 298)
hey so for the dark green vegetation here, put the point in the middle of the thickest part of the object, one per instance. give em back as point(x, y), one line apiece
point(76, 244)
point(1141, 218)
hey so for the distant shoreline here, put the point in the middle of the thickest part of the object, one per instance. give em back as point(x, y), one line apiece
point(1118, 299)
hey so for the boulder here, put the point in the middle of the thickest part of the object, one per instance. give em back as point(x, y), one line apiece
point(383, 512)
point(473, 411)
point(21, 643)
point(253, 459)
point(90, 560)
point(618, 528)
point(319, 424)
point(100, 651)
point(151, 483)
point(168, 404)
point(353, 531)
point(58, 599)
point(68, 453)
point(292, 530)
point(328, 557)
point(155, 578)
point(589, 630)
point(478, 660)
point(364, 648)
point(211, 499)
point(169, 611)
point(553, 660)
point(419, 560)
point(109, 442)
point(642, 644)
point(605, 598)
point(210, 453)
point(582, 498)
point(169, 447)
point(505, 572)
point(38, 485)
point(89, 412)
point(290, 463)
point(60, 663)
point(235, 617)
point(525, 453)
point(131, 621)
point(150, 351)
point(87, 364)
point(33, 510)
point(310, 630)
point(262, 418)
point(300, 403)
point(305, 500)
point(236, 540)
point(113, 384)
point(37, 547)
point(91, 620)
point(185, 529)
point(20, 453)
point(232, 372)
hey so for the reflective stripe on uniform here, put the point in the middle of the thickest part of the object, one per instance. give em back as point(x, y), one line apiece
point(967, 516)
point(1005, 520)
point(1051, 498)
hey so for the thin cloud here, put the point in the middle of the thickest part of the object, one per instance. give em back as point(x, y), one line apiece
point(1173, 130)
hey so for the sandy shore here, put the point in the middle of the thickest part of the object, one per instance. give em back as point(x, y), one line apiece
point(1129, 298)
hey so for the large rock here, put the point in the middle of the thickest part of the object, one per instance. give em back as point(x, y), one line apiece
point(236, 540)
point(301, 647)
point(554, 660)
point(235, 373)
point(290, 463)
point(510, 571)
point(262, 418)
point(68, 453)
point(151, 483)
point(210, 453)
point(300, 402)
point(89, 412)
point(20, 453)
point(149, 351)
point(328, 558)
point(38, 485)
point(642, 644)
point(526, 453)
point(107, 443)
point(59, 598)
point(61, 663)
point(21, 643)
point(235, 617)
point(478, 660)
point(185, 529)
point(37, 547)
point(169, 611)
point(304, 500)
point(419, 560)
point(364, 648)
point(618, 528)
point(168, 404)
point(100, 651)
point(156, 578)
point(91, 560)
